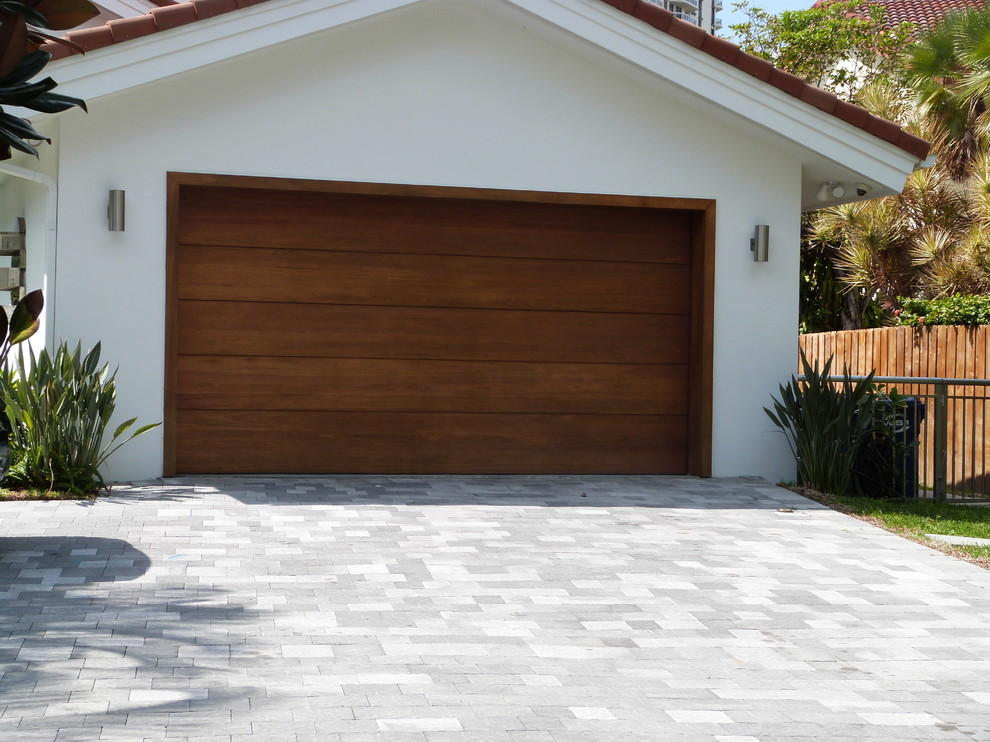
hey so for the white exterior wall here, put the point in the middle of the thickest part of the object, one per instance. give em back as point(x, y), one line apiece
point(27, 189)
point(462, 100)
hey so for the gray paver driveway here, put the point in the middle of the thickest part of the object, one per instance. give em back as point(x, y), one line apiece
point(536, 609)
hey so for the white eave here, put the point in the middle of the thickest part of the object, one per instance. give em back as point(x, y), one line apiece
point(828, 147)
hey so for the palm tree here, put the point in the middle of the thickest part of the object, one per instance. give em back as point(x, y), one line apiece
point(949, 71)
point(931, 240)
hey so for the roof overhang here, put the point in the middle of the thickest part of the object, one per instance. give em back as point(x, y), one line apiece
point(829, 148)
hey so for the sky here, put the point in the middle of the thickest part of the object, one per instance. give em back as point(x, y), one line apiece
point(728, 16)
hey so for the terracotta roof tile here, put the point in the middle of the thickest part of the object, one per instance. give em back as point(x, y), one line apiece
point(851, 114)
point(924, 14)
point(172, 16)
point(720, 48)
point(653, 14)
point(58, 51)
point(626, 6)
point(884, 129)
point(687, 32)
point(211, 8)
point(914, 145)
point(790, 84)
point(820, 99)
point(129, 28)
point(90, 38)
point(759, 68)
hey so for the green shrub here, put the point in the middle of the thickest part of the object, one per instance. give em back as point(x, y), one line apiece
point(59, 409)
point(957, 309)
point(841, 432)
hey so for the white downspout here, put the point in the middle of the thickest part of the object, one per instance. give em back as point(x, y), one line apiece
point(51, 218)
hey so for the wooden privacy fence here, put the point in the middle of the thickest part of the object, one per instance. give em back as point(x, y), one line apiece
point(955, 429)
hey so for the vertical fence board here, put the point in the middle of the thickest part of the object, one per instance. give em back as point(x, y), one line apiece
point(939, 351)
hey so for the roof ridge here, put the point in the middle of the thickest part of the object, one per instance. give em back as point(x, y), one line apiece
point(172, 16)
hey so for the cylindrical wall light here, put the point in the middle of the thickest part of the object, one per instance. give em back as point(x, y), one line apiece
point(115, 212)
point(760, 243)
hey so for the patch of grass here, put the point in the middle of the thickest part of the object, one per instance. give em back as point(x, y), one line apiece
point(913, 519)
point(11, 495)
point(920, 516)
point(977, 554)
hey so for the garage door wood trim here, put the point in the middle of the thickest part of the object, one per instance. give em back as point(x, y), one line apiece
point(701, 212)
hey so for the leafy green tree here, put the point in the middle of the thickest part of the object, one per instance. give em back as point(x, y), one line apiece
point(22, 31)
point(828, 46)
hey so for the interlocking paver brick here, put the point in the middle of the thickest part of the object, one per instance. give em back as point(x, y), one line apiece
point(477, 609)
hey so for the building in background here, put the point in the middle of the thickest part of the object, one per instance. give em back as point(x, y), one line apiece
point(702, 13)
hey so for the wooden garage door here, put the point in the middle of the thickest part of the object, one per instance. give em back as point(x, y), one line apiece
point(354, 332)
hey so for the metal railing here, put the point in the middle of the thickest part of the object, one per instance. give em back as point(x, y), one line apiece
point(953, 457)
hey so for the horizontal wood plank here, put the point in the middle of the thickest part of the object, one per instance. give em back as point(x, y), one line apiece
point(358, 222)
point(348, 442)
point(334, 331)
point(239, 274)
point(350, 384)
point(325, 330)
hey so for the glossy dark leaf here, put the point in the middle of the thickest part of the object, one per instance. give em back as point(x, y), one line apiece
point(21, 95)
point(13, 43)
point(12, 140)
point(29, 66)
point(20, 127)
point(55, 102)
point(25, 320)
point(63, 14)
point(4, 324)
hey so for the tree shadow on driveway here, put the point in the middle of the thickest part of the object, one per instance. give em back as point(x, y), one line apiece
point(84, 641)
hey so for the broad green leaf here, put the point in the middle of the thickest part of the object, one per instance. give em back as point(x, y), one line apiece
point(25, 320)
point(124, 426)
point(144, 429)
point(4, 323)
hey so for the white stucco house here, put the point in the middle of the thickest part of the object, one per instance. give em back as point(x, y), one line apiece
point(436, 235)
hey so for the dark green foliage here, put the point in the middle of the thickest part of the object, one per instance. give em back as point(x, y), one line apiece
point(59, 409)
point(958, 309)
point(841, 432)
point(21, 60)
point(826, 303)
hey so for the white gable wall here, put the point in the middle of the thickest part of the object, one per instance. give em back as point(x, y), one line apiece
point(440, 94)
